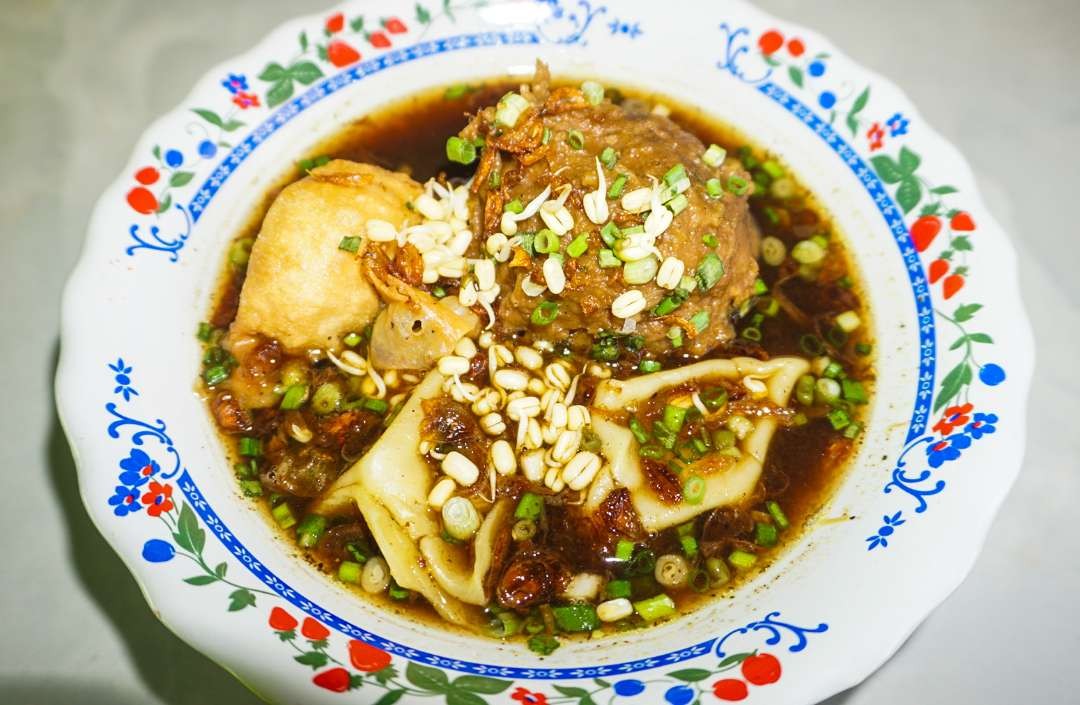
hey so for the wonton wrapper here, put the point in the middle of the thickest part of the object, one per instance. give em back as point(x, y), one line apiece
point(390, 485)
point(730, 486)
point(301, 288)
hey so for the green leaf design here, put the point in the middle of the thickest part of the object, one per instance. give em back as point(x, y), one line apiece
point(273, 72)
point(232, 125)
point(390, 697)
point(952, 384)
point(852, 124)
point(209, 115)
point(735, 658)
point(306, 72)
point(220, 568)
point(691, 675)
point(156, 151)
point(966, 312)
point(601, 682)
point(463, 697)
point(961, 243)
point(385, 675)
point(279, 92)
point(239, 599)
point(943, 190)
point(422, 14)
point(909, 194)
point(771, 61)
point(303, 41)
point(795, 73)
point(572, 692)
point(201, 579)
point(887, 168)
point(448, 10)
point(180, 178)
point(909, 161)
point(165, 203)
point(481, 684)
point(980, 338)
point(861, 101)
point(188, 534)
point(315, 659)
point(357, 23)
point(426, 677)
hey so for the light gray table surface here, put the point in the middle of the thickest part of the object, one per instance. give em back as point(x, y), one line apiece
point(81, 80)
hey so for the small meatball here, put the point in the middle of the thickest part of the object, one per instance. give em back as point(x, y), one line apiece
point(532, 577)
point(304, 474)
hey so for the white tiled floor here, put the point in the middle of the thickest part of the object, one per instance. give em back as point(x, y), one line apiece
point(80, 82)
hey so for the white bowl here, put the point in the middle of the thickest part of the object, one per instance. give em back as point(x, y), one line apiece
point(914, 507)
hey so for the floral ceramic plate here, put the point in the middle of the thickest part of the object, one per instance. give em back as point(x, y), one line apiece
point(942, 446)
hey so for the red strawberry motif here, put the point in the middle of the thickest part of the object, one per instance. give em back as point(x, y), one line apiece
point(770, 42)
point(335, 23)
point(730, 689)
point(341, 54)
point(314, 630)
point(394, 26)
point(796, 47)
point(952, 284)
point(938, 268)
point(142, 200)
point(367, 658)
point(924, 230)
point(761, 669)
point(147, 175)
point(379, 40)
point(282, 621)
point(336, 680)
point(962, 222)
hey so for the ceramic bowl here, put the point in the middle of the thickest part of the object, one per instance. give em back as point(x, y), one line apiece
point(942, 447)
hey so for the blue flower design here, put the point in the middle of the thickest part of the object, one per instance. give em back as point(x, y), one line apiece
point(826, 99)
point(235, 83)
point(630, 30)
point(137, 468)
point(124, 501)
point(123, 380)
point(888, 526)
point(981, 424)
point(947, 449)
point(207, 149)
point(816, 68)
point(897, 125)
point(158, 551)
point(629, 687)
point(679, 695)
point(174, 158)
point(991, 375)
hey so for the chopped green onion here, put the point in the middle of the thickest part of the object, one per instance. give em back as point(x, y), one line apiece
point(543, 644)
point(717, 570)
point(853, 391)
point(773, 168)
point(633, 230)
point(530, 506)
point(709, 271)
point(811, 345)
point(769, 307)
point(438, 292)
point(594, 92)
point(523, 530)
point(460, 151)
point(742, 560)
point(723, 439)
point(714, 187)
point(546, 242)
point(675, 174)
point(575, 139)
point(848, 321)
point(624, 550)
point(294, 396)
point(838, 418)
point(760, 287)
point(833, 370)
point(669, 303)
point(576, 618)
point(808, 252)
point(607, 259)
point(313, 162)
point(396, 592)
point(608, 157)
point(836, 336)
point(678, 204)
point(249, 447)
point(765, 534)
point(714, 399)
point(350, 244)
point(545, 313)
point(610, 233)
point(737, 185)
point(773, 251)
point(650, 366)
point(215, 375)
point(714, 156)
point(617, 186)
point(509, 109)
point(283, 515)
point(651, 452)
point(458, 90)
point(205, 332)
point(240, 252)
point(674, 334)
point(546, 137)
point(578, 245)
point(700, 320)
point(352, 339)
point(251, 488)
point(710, 240)
point(506, 624)
point(326, 398)
point(804, 390)
point(641, 271)
point(828, 390)
point(664, 435)
point(515, 206)
point(863, 349)
point(655, 608)
point(751, 333)
point(617, 588)
point(310, 530)
point(693, 490)
point(852, 431)
point(777, 514)
point(674, 417)
point(378, 406)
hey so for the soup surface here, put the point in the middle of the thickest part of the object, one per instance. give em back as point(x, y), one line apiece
point(608, 363)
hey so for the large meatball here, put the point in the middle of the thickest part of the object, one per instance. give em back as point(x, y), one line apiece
point(556, 142)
